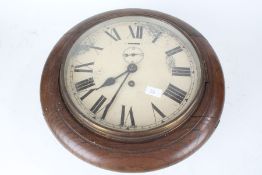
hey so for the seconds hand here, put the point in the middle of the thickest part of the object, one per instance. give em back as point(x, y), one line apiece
point(130, 69)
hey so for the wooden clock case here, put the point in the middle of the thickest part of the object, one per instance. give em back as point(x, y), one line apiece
point(142, 156)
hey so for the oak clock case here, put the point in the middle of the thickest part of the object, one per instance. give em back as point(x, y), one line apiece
point(132, 90)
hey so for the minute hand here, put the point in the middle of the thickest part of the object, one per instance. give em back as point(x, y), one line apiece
point(113, 98)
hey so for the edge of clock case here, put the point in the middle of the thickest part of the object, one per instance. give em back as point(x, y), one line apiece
point(133, 157)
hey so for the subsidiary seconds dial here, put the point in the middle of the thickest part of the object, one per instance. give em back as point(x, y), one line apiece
point(131, 74)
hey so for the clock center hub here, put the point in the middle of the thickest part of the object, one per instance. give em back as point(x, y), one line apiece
point(132, 68)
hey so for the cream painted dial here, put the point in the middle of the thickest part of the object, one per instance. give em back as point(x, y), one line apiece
point(131, 74)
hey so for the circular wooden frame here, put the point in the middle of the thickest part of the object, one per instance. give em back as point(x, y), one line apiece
point(133, 157)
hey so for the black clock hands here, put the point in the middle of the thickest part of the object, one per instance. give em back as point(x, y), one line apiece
point(130, 69)
point(113, 98)
point(111, 80)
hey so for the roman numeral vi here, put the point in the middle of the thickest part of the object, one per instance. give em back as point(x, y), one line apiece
point(130, 115)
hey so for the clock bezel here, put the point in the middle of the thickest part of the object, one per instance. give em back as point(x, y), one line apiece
point(131, 136)
point(133, 157)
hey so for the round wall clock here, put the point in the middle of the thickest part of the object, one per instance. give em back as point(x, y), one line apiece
point(132, 90)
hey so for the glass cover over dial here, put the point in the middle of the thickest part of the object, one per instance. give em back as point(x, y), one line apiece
point(131, 74)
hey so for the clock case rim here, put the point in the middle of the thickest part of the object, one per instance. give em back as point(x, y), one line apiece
point(130, 136)
point(134, 157)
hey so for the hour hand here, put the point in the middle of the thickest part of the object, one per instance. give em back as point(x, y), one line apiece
point(111, 80)
point(108, 82)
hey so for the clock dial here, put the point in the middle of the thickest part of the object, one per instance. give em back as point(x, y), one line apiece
point(131, 74)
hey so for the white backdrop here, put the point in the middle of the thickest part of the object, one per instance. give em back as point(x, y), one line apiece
point(29, 30)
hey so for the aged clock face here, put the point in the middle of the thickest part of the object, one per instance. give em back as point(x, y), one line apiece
point(131, 74)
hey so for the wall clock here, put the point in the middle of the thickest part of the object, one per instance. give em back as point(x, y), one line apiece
point(132, 90)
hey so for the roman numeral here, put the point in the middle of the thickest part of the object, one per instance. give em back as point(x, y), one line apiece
point(84, 67)
point(156, 37)
point(138, 34)
point(98, 104)
point(157, 110)
point(175, 93)
point(130, 114)
point(84, 84)
point(94, 47)
point(173, 51)
point(86, 94)
point(115, 36)
point(181, 71)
